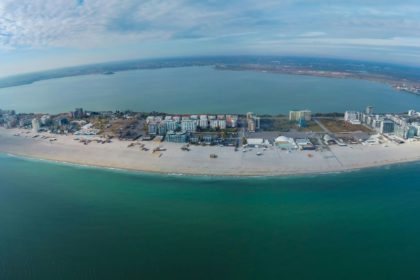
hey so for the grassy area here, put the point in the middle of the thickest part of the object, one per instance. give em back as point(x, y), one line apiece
point(276, 124)
point(336, 126)
point(123, 127)
point(282, 124)
point(312, 126)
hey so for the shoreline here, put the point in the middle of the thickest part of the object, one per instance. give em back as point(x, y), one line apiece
point(273, 163)
point(198, 175)
point(388, 81)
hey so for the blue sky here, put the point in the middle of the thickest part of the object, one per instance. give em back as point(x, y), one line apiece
point(44, 34)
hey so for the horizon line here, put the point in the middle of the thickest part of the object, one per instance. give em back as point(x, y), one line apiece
point(398, 64)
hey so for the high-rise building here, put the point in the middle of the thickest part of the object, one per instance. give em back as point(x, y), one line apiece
point(253, 122)
point(302, 114)
point(411, 132)
point(231, 120)
point(222, 124)
point(214, 124)
point(171, 125)
point(161, 129)
point(150, 119)
point(411, 113)
point(405, 131)
point(203, 122)
point(152, 128)
point(352, 117)
point(188, 125)
point(417, 127)
point(376, 124)
point(251, 125)
point(36, 125)
point(387, 126)
point(369, 110)
point(257, 122)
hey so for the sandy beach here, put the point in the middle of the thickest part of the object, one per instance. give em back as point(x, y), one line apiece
point(197, 161)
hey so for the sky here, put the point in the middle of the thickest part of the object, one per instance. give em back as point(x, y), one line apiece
point(46, 34)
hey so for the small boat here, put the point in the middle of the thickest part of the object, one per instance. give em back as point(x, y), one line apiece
point(259, 154)
point(213, 156)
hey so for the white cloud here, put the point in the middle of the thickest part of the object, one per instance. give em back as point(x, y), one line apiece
point(186, 26)
point(313, 34)
point(67, 23)
point(64, 23)
point(388, 42)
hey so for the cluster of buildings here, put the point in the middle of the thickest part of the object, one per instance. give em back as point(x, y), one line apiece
point(8, 118)
point(204, 129)
point(181, 129)
point(411, 88)
point(404, 126)
point(62, 123)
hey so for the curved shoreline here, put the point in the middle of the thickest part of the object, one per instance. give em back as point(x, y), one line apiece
point(204, 175)
point(273, 163)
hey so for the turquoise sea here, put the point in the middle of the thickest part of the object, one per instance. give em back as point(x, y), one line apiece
point(68, 222)
point(204, 90)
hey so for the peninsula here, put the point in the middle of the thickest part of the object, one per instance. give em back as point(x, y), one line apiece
point(225, 145)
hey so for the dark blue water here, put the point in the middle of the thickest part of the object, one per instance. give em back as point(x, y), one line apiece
point(63, 222)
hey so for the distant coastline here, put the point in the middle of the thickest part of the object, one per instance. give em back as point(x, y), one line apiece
point(401, 78)
point(403, 85)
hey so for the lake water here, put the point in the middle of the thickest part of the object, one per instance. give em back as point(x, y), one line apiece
point(204, 90)
point(63, 222)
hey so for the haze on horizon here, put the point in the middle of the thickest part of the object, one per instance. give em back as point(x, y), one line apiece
point(44, 34)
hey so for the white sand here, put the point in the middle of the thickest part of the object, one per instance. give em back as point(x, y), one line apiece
point(198, 161)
